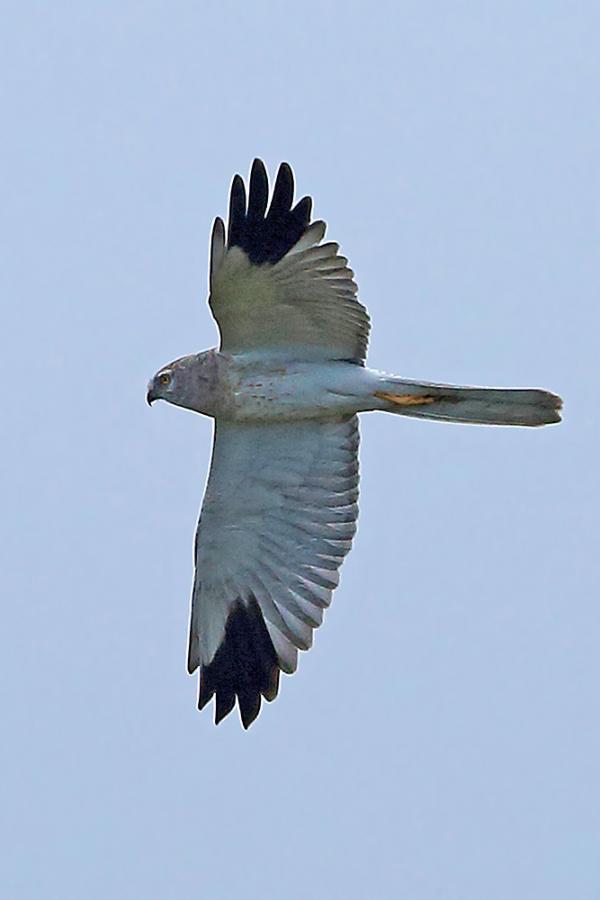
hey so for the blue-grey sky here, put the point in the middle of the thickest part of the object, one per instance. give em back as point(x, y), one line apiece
point(442, 738)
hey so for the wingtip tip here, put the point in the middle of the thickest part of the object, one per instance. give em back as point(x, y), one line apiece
point(249, 715)
point(286, 169)
point(218, 226)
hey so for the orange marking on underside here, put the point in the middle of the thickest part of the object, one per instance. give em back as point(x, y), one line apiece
point(404, 399)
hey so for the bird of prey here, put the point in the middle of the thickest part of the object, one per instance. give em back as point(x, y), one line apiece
point(284, 388)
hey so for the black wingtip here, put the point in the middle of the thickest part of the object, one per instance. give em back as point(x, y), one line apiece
point(283, 192)
point(245, 667)
point(237, 211)
point(266, 235)
point(258, 194)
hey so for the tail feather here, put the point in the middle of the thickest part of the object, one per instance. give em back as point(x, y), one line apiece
point(475, 405)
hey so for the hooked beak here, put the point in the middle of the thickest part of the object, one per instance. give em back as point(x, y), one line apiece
point(150, 397)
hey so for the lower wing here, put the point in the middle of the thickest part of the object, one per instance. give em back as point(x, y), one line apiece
point(277, 520)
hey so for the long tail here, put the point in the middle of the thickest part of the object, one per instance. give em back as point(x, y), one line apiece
point(475, 405)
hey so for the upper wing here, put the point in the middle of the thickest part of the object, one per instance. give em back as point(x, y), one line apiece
point(274, 286)
point(278, 518)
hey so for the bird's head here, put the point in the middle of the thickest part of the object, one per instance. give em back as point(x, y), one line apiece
point(189, 382)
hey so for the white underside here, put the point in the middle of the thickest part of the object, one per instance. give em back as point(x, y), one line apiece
point(264, 389)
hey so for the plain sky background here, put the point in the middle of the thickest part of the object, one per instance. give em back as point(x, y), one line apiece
point(441, 741)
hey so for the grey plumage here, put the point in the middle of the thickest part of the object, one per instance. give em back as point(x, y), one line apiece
point(284, 387)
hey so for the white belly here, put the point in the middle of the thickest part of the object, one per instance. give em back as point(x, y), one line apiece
point(260, 390)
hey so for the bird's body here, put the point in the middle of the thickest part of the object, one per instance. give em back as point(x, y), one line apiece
point(284, 388)
point(256, 388)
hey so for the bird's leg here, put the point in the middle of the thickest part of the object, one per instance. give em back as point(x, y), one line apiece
point(404, 399)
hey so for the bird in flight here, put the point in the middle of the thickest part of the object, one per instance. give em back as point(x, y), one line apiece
point(284, 388)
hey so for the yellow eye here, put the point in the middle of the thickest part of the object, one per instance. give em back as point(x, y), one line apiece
point(165, 378)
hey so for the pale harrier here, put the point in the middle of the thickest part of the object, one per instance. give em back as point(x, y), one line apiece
point(284, 388)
